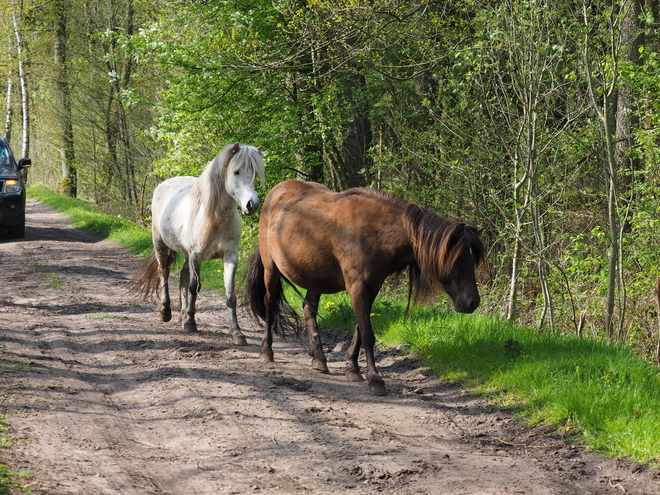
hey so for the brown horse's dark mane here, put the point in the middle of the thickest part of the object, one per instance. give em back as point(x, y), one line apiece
point(437, 242)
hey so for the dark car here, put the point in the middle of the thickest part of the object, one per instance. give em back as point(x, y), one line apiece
point(12, 191)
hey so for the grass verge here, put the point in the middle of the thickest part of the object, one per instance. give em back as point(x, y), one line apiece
point(8, 478)
point(600, 391)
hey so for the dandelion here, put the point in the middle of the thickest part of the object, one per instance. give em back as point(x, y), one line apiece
point(330, 307)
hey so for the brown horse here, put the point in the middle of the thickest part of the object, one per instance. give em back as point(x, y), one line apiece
point(327, 242)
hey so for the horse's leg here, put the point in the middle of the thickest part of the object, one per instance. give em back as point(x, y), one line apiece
point(272, 298)
point(310, 309)
point(230, 263)
point(164, 257)
point(362, 299)
point(193, 265)
point(184, 281)
point(352, 371)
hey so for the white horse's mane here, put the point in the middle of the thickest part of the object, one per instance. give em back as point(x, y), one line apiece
point(211, 183)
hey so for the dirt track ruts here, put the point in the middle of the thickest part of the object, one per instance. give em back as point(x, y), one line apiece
point(103, 398)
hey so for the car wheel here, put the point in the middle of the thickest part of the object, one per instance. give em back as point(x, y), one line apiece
point(17, 231)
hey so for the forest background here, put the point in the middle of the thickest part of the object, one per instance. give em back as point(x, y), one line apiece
point(535, 120)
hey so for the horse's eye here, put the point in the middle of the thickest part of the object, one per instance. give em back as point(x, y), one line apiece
point(237, 172)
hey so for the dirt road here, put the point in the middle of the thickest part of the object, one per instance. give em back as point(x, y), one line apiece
point(103, 398)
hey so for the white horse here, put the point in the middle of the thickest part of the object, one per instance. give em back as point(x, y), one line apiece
point(197, 217)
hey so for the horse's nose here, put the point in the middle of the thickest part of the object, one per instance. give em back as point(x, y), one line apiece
point(251, 206)
point(474, 304)
point(468, 306)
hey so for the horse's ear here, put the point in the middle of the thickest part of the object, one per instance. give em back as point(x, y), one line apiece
point(235, 149)
point(259, 150)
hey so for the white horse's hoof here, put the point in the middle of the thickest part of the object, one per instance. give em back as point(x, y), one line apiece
point(239, 340)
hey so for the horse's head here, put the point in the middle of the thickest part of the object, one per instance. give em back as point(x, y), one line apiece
point(465, 253)
point(245, 164)
point(446, 254)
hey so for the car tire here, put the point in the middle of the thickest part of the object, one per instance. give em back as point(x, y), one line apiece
point(17, 231)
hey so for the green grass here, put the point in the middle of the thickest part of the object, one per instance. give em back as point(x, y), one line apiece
point(606, 396)
point(8, 477)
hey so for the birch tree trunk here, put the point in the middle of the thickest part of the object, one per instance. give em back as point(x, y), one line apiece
point(9, 110)
point(25, 152)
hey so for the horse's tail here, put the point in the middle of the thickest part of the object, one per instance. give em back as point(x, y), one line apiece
point(146, 281)
point(285, 319)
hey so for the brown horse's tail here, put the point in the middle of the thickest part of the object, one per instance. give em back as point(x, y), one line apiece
point(146, 281)
point(285, 319)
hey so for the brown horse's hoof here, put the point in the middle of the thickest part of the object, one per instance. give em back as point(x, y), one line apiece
point(267, 357)
point(320, 365)
point(239, 340)
point(166, 314)
point(377, 388)
point(353, 376)
point(190, 327)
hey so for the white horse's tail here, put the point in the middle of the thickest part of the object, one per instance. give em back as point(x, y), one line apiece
point(146, 281)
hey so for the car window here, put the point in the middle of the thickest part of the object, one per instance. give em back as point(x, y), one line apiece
point(6, 158)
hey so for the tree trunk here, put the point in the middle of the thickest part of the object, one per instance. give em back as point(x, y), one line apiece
point(8, 111)
point(626, 121)
point(24, 91)
point(69, 171)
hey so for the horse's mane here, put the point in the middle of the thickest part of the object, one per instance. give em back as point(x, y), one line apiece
point(211, 182)
point(438, 243)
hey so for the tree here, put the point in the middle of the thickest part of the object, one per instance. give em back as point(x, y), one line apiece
point(22, 77)
point(611, 101)
point(69, 171)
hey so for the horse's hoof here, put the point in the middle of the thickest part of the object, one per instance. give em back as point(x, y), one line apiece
point(353, 376)
point(377, 388)
point(166, 315)
point(190, 327)
point(239, 340)
point(267, 357)
point(320, 365)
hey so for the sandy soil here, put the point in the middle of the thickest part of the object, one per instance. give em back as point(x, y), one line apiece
point(103, 398)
